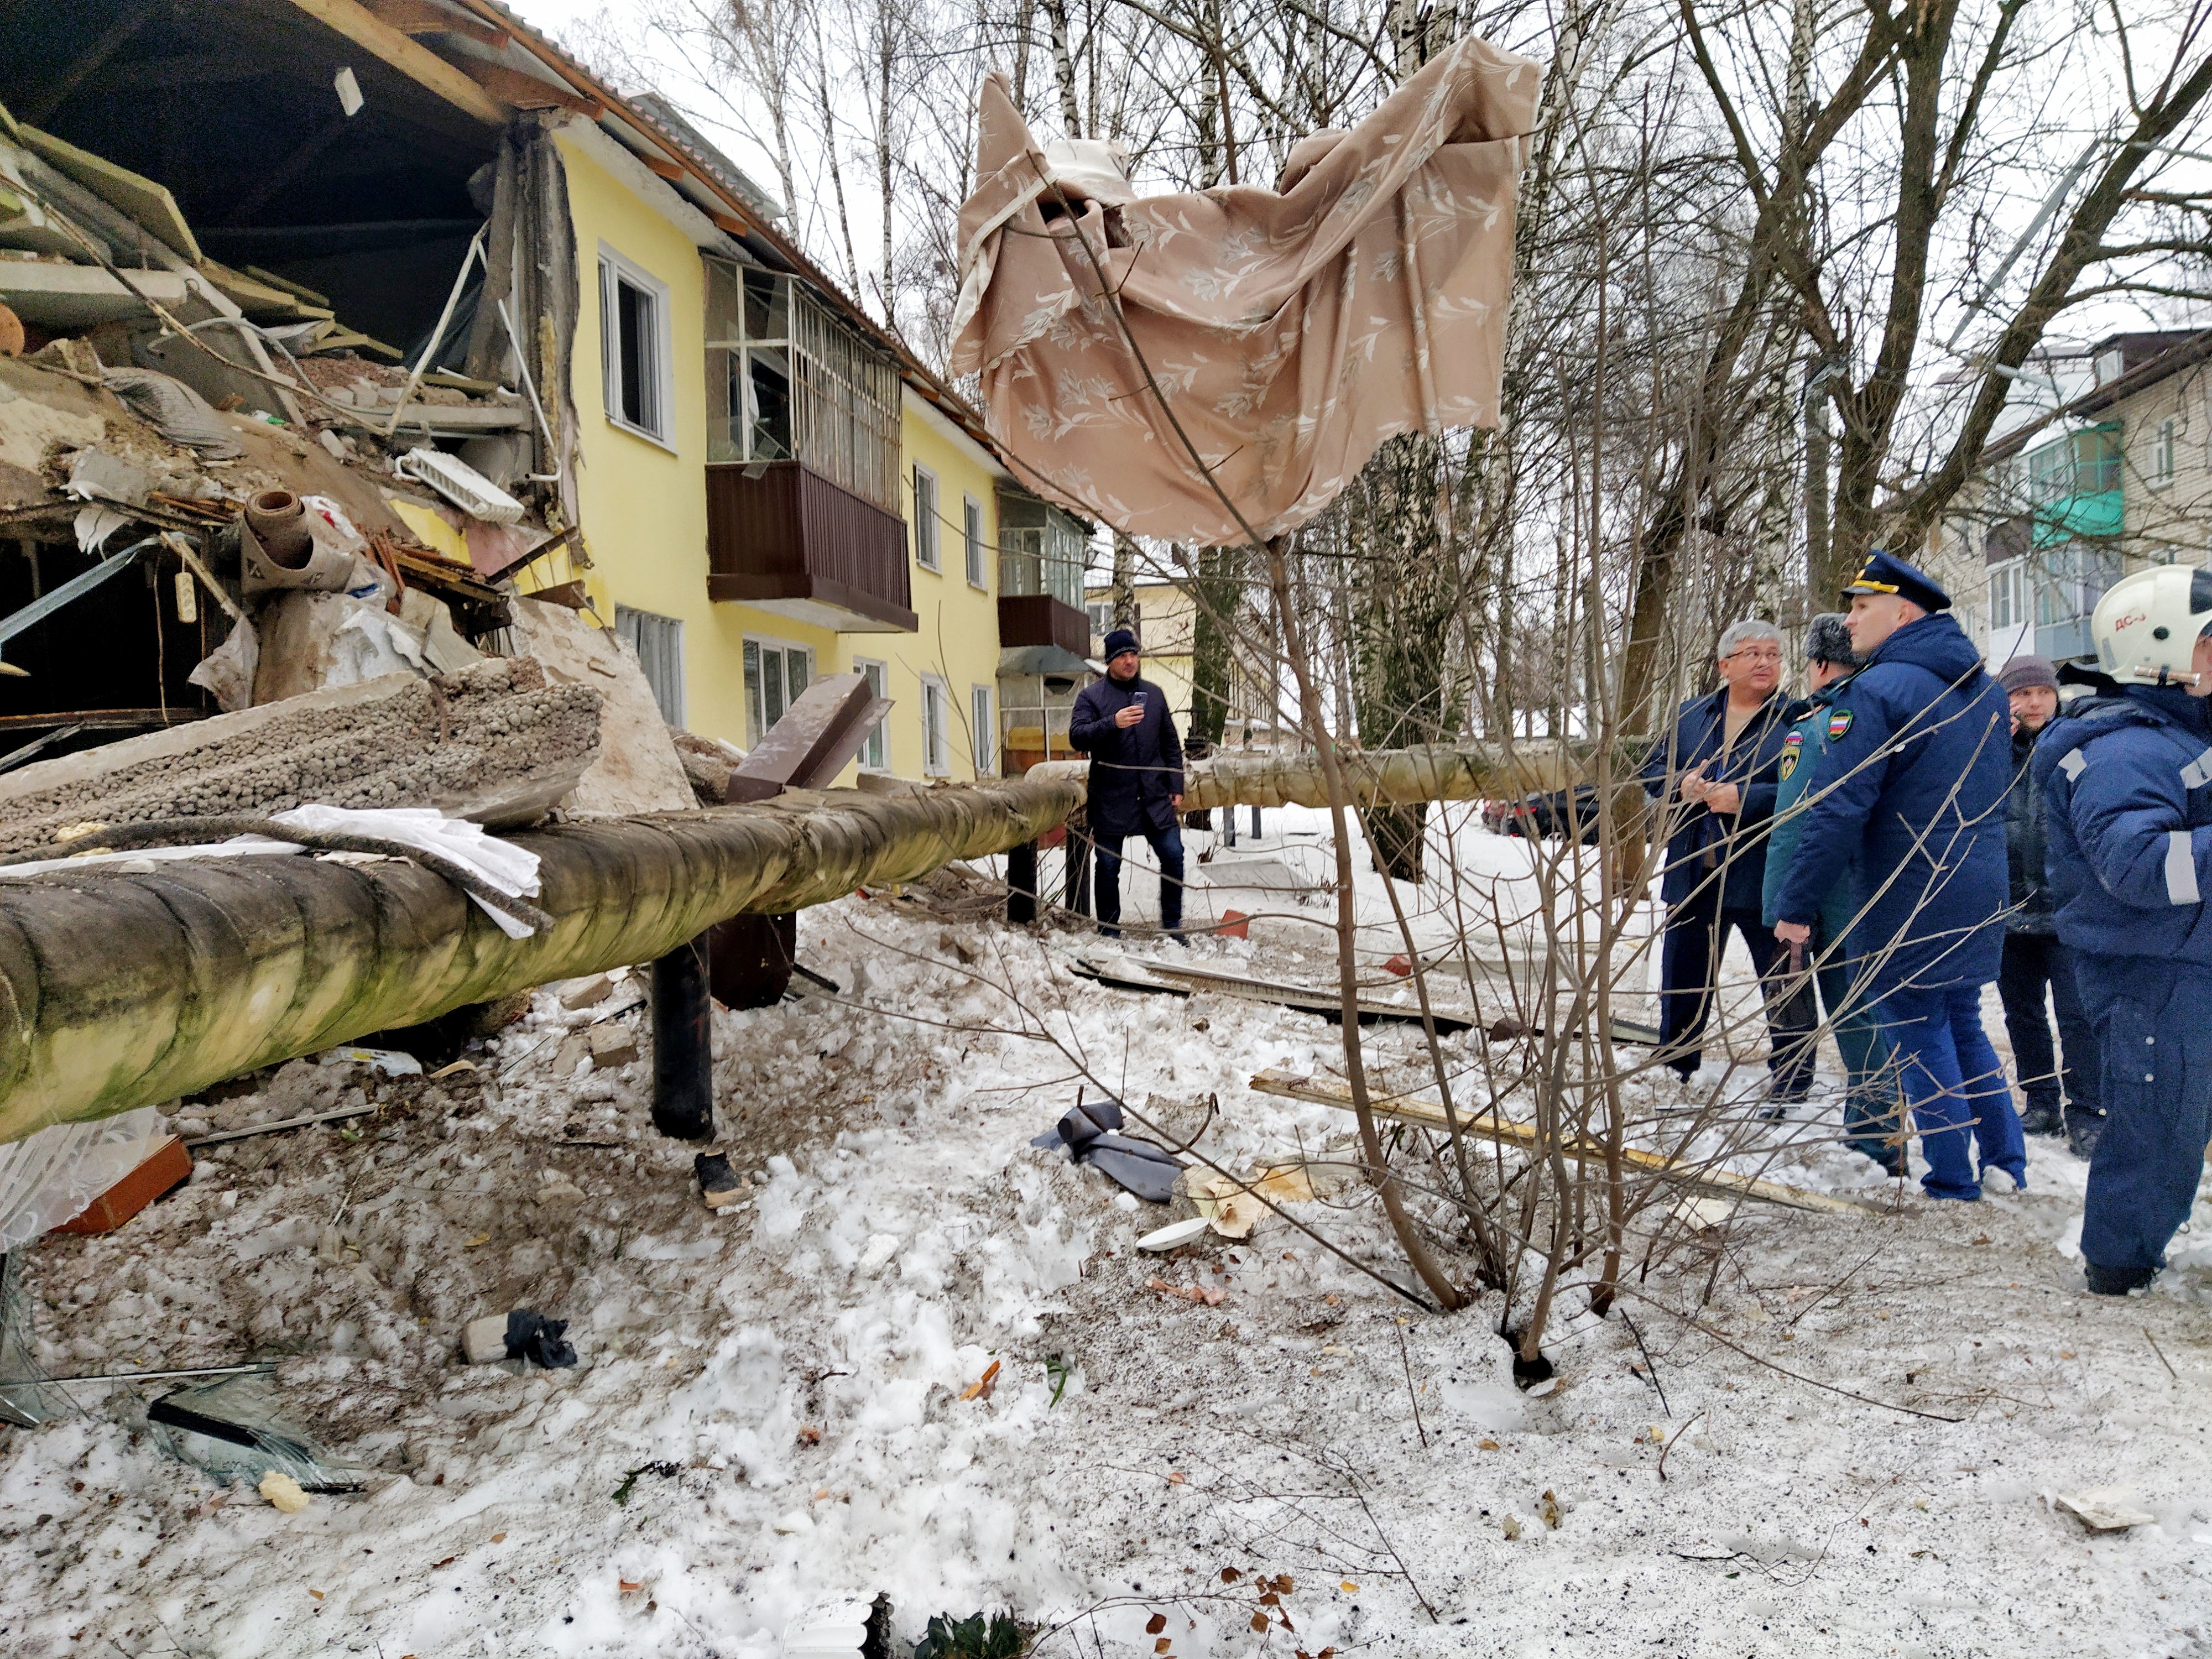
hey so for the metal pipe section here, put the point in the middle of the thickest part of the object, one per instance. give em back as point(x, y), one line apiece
point(682, 1043)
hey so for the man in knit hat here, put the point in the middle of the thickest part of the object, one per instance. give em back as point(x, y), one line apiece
point(1121, 722)
point(2037, 974)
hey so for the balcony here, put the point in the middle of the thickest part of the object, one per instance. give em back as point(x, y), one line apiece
point(1028, 622)
point(783, 539)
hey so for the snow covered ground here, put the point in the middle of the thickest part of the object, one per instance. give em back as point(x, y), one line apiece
point(769, 1409)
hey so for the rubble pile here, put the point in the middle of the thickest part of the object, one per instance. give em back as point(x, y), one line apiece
point(495, 733)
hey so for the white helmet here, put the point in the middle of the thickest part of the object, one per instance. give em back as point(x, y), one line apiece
point(2146, 626)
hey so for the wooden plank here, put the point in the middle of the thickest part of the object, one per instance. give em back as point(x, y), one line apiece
point(56, 296)
point(423, 17)
point(417, 63)
point(140, 198)
point(1429, 1114)
point(526, 91)
point(297, 290)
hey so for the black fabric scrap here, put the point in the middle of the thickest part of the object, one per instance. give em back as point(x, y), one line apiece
point(1141, 1166)
point(533, 1336)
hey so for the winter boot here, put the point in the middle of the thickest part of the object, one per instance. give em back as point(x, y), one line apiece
point(2082, 1128)
point(2117, 1281)
point(2041, 1118)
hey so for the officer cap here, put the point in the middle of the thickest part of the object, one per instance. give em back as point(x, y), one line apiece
point(1885, 573)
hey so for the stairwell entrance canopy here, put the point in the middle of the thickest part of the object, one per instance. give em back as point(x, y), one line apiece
point(1292, 329)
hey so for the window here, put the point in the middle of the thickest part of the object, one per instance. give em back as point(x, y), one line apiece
point(983, 735)
point(789, 379)
point(925, 520)
point(633, 348)
point(972, 517)
point(2006, 606)
point(1102, 617)
point(875, 754)
point(659, 642)
point(774, 675)
point(1041, 549)
point(936, 752)
point(2162, 445)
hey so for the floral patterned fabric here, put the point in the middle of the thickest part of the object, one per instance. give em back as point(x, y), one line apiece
point(1291, 331)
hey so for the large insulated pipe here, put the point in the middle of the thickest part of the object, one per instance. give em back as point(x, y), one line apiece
point(120, 990)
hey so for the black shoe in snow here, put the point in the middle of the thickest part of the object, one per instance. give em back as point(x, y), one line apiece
point(2116, 1281)
point(2083, 1129)
point(2040, 1119)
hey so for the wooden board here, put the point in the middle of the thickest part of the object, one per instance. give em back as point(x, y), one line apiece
point(138, 198)
point(1429, 1114)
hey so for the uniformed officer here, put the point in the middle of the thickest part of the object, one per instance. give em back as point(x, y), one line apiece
point(1912, 784)
point(2128, 784)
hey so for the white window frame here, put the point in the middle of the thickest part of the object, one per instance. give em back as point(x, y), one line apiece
point(650, 633)
point(614, 268)
point(971, 527)
point(755, 695)
point(927, 552)
point(875, 748)
point(2165, 445)
point(983, 729)
point(2009, 593)
point(936, 723)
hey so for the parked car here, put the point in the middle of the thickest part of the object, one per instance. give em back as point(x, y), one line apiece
point(1548, 814)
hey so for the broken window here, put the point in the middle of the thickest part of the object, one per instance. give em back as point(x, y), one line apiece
point(788, 380)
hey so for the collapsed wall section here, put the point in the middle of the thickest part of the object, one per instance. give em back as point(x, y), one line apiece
point(495, 741)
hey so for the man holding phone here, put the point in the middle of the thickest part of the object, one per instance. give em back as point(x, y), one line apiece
point(1123, 723)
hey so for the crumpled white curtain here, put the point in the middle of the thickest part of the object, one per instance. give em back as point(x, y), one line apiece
point(48, 1177)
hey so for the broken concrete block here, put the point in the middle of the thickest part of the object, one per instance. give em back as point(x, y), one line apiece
point(612, 1045)
point(495, 743)
point(485, 1340)
point(636, 769)
point(585, 992)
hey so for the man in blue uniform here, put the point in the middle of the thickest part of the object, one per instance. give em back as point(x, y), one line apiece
point(1716, 772)
point(2128, 783)
point(1912, 785)
point(1136, 778)
point(1869, 1099)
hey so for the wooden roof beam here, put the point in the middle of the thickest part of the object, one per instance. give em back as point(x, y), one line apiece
point(418, 62)
point(413, 17)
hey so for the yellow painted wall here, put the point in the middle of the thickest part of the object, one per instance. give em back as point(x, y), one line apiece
point(643, 507)
point(957, 639)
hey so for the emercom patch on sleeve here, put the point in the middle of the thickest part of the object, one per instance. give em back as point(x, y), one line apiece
point(1839, 723)
point(1792, 747)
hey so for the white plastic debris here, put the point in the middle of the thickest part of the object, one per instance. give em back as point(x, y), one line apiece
point(461, 484)
point(500, 863)
point(827, 1628)
point(2105, 1509)
point(485, 1340)
point(390, 1061)
point(1174, 1234)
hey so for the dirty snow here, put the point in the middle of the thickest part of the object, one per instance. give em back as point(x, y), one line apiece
point(769, 1412)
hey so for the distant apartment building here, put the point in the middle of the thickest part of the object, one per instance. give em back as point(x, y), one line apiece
point(2118, 479)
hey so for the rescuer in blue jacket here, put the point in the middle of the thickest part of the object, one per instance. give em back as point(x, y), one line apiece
point(1870, 1096)
point(1913, 783)
point(2128, 783)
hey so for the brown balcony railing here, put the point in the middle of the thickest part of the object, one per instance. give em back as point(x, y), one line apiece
point(1028, 619)
point(782, 537)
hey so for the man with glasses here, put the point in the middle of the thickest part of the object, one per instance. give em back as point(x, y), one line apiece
point(1715, 774)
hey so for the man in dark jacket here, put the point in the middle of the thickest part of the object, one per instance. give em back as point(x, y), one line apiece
point(1870, 1126)
point(1714, 774)
point(2037, 973)
point(1136, 778)
point(1912, 785)
point(2128, 785)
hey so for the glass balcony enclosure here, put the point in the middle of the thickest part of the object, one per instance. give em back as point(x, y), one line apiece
point(1041, 549)
point(788, 380)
